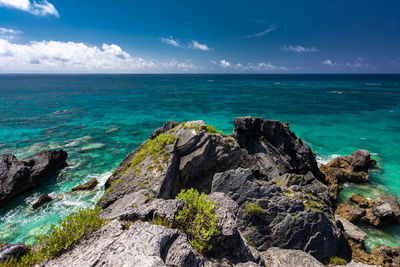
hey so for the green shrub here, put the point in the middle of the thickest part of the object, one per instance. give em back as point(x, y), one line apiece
point(61, 238)
point(252, 208)
point(198, 218)
point(337, 261)
point(2, 244)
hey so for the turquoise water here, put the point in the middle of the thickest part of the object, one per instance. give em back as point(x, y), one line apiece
point(99, 119)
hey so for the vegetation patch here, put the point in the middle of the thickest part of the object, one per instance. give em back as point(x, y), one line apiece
point(252, 208)
point(337, 261)
point(198, 219)
point(162, 222)
point(153, 148)
point(61, 238)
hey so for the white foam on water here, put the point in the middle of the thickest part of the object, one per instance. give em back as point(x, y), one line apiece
point(324, 159)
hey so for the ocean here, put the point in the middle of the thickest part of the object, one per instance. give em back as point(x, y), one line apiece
point(99, 119)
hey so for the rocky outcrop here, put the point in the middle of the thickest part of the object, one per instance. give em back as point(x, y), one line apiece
point(18, 177)
point(261, 163)
point(42, 199)
point(86, 186)
point(385, 209)
point(143, 244)
point(12, 251)
point(353, 169)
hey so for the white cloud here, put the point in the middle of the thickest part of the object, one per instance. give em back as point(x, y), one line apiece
point(224, 63)
point(192, 45)
point(328, 62)
point(171, 41)
point(252, 67)
point(71, 57)
point(264, 32)
point(8, 33)
point(213, 62)
point(299, 49)
point(196, 45)
point(38, 8)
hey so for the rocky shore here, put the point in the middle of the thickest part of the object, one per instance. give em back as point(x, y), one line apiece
point(274, 205)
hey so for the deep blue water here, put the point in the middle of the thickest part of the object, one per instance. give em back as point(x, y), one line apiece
point(99, 119)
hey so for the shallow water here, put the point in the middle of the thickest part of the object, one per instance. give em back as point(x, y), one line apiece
point(99, 119)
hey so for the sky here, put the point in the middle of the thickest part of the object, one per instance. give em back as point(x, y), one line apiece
point(209, 36)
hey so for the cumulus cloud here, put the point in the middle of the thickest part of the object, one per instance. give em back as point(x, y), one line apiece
point(224, 63)
point(38, 8)
point(71, 57)
point(196, 45)
point(269, 29)
point(8, 33)
point(299, 49)
point(171, 41)
point(328, 62)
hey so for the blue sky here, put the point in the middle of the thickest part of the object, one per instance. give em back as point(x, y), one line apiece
point(220, 36)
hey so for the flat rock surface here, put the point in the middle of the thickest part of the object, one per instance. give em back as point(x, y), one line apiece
point(143, 244)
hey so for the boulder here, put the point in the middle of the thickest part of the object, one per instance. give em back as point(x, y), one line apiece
point(351, 213)
point(276, 257)
point(42, 199)
point(143, 244)
point(86, 186)
point(18, 177)
point(360, 200)
point(387, 209)
point(352, 232)
point(12, 251)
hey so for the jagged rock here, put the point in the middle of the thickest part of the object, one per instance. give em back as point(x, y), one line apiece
point(285, 221)
point(18, 177)
point(167, 126)
point(10, 251)
point(386, 256)
point(276, 257)
point(42, 199)
point(352, 232)
point(351, 213)
point(143, 244)
point(86, 186)
point(360, 200)
point(352, 169)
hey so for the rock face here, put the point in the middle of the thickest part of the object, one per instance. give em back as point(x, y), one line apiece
point(18, 177)
point(353, 169)
point(262, 163)
point(86, 186)
point(143, 244)
point(10, 251)
point(42, 199)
